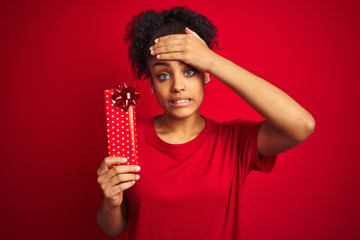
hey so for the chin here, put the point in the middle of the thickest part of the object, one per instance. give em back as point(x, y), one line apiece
point(182, 114)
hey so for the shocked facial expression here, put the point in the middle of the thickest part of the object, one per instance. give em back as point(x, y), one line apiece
point(179, 88)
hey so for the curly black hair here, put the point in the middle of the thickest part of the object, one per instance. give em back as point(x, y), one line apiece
point(148, 25)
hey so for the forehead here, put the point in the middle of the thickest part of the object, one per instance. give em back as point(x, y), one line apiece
point(154, 63)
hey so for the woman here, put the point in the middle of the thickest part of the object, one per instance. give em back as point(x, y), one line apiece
point(192, 168)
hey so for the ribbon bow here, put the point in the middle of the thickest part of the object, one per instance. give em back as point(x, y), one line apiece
point(124, 96)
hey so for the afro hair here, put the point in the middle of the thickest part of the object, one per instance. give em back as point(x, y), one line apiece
point(145, 27)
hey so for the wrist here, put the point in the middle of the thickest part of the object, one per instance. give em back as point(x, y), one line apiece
point(213, 62)
point(109, 207)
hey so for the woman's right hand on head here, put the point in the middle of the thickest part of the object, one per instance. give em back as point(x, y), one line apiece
point(116, 180)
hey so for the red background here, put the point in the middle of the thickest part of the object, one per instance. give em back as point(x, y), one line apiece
point(59, 56)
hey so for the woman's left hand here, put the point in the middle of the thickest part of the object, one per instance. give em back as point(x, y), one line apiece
point(188, 48)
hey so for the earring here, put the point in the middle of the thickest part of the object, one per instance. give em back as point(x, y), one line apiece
point(152, 89)
point(206, 81)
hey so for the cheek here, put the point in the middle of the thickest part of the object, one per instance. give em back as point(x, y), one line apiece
point(161, 97)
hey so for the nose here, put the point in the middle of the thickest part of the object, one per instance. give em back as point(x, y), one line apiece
point(178, 84)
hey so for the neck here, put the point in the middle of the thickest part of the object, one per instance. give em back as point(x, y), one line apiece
point(177, 130)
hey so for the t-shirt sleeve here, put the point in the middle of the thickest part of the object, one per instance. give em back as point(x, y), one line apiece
point(245, 138)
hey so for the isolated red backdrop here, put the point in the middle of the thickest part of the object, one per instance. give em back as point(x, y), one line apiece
point(59, 56)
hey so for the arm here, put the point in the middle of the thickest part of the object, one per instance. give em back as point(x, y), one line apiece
point(112, 220)
point(286, 125)
point(112, 216)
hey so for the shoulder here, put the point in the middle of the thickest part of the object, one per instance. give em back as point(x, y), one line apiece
point(235, 125)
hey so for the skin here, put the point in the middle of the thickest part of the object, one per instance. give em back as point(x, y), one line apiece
point(174, 80)
point(286, 125)
point(112, 216)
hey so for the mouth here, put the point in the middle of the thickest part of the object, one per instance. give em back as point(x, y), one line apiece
point(181, 102)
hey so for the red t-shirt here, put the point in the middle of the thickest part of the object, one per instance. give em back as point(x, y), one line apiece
point(193, 190)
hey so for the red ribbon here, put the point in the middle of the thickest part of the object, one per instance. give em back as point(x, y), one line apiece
point(124, 96)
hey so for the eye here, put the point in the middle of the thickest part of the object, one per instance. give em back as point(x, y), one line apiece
point(163, 76)
point(189, 73)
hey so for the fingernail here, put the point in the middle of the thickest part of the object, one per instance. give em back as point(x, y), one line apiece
point(158, 56)
point(133, 182)
point(137, 176)
point(152, 52)
point(156, 40)
point(151, 48)
point(124, 160)
point(137, 168)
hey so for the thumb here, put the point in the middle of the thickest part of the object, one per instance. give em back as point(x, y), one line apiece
point(188, 31)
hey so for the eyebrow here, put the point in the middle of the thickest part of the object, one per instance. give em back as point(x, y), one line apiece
point(165, 64)
point(160, 64)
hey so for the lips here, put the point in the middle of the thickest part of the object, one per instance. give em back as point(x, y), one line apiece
point(180, 102)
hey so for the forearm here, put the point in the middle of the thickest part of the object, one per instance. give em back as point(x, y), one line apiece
point(279, 109)
point(111, 220)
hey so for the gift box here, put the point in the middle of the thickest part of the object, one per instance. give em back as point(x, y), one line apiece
point(121, 123)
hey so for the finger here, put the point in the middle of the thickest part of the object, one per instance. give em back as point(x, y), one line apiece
point(175, 41)
point(118, 189)
point(170, 37)
point(108, 161)
point(116, 171)
point(119, 179)
point(167, 49)
point(189, 31)
point(102, 179)
point(180, 56)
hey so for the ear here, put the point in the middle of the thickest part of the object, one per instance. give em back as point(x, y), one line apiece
point(206, 77)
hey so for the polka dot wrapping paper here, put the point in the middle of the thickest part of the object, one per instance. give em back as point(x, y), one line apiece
point(121, 130)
